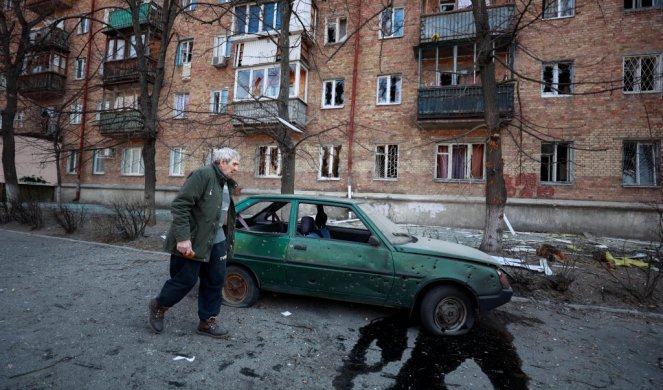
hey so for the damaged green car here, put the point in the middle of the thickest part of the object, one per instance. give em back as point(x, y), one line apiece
point(346, 250)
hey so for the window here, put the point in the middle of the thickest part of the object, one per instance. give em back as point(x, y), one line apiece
point(133, 48)
point(556, 162)
point(101, 106)
point(643, 73)
point(58, 63)
point(76, 113)
point(558, 8)
point(115, 49)
point(184, 52)
point(8, 4)
point(446, 5)
point(386, 162)
point(79, 69)
point(642, 161)
point(333, 93)
point(640, 4)
point(255, 83)
point(269, 161)
point(253, 18)
point(459, 161)
point(19, 119)
point(557, 79)
point(389, 89)
point(176, 166)
point(83, 25)
point(98, 162)
point(218, 101)
point(221, 48)
point(391, 23)
point(181, 105)
point(72, 162)
point(337, 30)
point(189, 5)
point(329, 162)
point(132, 162)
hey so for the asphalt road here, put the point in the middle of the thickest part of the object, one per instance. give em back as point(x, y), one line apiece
point(73, 315)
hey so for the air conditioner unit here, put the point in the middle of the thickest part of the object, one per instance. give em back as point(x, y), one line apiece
point(219, 62)
point(107, 153)
point(186, 71)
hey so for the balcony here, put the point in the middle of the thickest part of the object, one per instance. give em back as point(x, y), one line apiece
point(46, 7)
point(459, 25)
point(50, 39)
point(259, 114)
point(148, 14)
point(120, 123)
point(126, 71)
point(43, 85)
point(455, 104)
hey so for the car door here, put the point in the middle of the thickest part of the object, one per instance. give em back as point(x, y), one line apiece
point(346, 266)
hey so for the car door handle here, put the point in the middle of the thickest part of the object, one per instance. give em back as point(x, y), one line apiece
point(300, 247)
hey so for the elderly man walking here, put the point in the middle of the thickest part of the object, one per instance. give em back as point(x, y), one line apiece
point(198, 244)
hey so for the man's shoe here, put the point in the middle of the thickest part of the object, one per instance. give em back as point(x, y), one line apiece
point(211, 327)
point(157, 312)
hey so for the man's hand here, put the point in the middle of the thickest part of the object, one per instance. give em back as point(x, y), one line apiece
point(184, 247)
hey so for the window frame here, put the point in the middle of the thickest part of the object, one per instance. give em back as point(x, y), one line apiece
point(334, 83)
point(83, 26)
point(132, 151)
point(76, 115)
point(177, 113)
point(79, 68)
point(554, 164)
point(388, 88)
point(295, 89)
point(656, 149)
point(334, 159)
point(221, 45)
point(184, 53)
point(260, 19)
point(555, 84)
point(267, 160)
point(637, 77)
point(336, 22)
point(98, 160)
point(559, 10)
point(636, 5)
point(176, 152)
point(72, 162)
point(395, 33)
point(377, 175)
point(467, 175)
point(219, 106)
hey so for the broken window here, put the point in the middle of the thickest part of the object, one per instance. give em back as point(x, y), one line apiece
point(641, 163)
point(643, 73)
point(459, 161)
point(329, 161)
point(269, 161)
point(558, 8)
point(72, 162)
point(391, 23)
point(638, 4)
point(557, 79)
point(333, 93)
point(184, 52)
point(556, 162)
point(337, 30)
point(181, 105)
point(389, 89)
point(386, 162)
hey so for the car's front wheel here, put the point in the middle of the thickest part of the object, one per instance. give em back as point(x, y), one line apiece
point(447, 311)
point(240, 288)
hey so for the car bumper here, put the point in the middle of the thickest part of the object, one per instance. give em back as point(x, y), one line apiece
point(487, 303)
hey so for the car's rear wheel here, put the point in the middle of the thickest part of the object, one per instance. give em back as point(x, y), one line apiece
point(447, 311)
point(240, 288)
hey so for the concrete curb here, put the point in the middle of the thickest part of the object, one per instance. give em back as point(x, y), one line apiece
point(590, 307)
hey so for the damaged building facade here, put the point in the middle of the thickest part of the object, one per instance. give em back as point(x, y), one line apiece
point(388, 99)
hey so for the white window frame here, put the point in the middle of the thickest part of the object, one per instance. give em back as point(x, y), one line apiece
point(72, 162)
point(558, 9)
point(390, 80)
point(333, 85)
point(555, 92)
point(656, 161)
point(446, 5)
point(132, 162)
point(267, 168)
point(218, 102)
point(98, 162)
point(221, 47)
point(189, 5)
point(637, 84)
point(554, 163)
point(393, 33)
point(386, 166)
point(467, 175)
point(336, 24)
point(83, 26)
point(115, 49)
point(176, 164)
point(261, 18)
point(255, 74)
point(79, 68)
point(333, 154)
point(181, 105)
point(76, 115)
point(184, 52)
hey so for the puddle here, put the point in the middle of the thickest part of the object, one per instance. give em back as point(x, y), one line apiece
point(489, 345)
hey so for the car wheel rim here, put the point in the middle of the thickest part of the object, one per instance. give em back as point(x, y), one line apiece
point(235, 289)
point(450, 314)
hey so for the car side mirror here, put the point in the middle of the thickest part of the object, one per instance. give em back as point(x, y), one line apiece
point(373, 241)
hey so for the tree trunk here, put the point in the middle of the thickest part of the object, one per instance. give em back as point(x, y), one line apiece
point(149, 153)
point(9, 148)
point(283, 134)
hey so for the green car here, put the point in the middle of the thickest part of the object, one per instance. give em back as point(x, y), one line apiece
point(346, 250)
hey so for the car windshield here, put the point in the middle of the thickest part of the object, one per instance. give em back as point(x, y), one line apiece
point(394, 233)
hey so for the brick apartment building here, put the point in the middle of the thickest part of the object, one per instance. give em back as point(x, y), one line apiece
point(388, 99)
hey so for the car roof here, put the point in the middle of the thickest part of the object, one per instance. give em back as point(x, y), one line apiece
point(303, 198)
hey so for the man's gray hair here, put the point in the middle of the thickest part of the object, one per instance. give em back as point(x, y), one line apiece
point(224, 154)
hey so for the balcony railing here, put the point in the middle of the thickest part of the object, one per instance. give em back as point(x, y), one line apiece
point(457, 25)
point(460, 101)
point(126, 71)
point(261, 113)
point(120, 123)
point(50, 38)
point(148, 13)
point(47, 6)
point(42, 85)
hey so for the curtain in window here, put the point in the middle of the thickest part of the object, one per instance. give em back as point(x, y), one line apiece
point(459, 163)
point(442, 161)
point(477, 161)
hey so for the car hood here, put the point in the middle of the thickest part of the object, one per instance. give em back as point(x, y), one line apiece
point(433, 247)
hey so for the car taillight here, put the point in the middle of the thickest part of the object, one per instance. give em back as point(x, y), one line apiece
point(504, 281)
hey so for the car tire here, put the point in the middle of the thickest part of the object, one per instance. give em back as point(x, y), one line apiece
point(447, 311)
point(240, 288)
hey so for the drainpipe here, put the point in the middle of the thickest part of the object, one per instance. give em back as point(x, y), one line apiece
point(81, 143)
point(353, 96)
